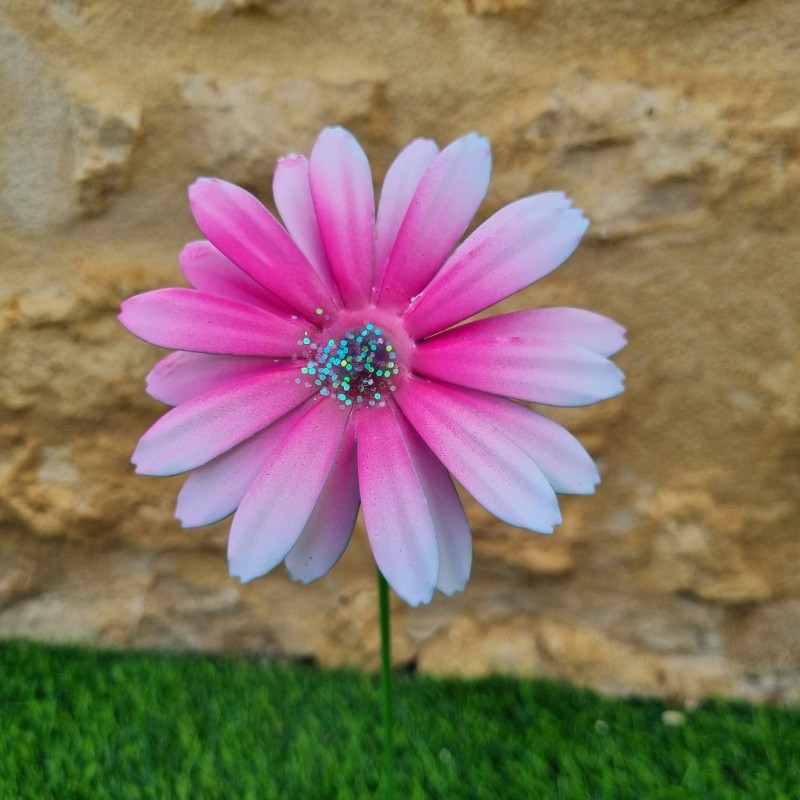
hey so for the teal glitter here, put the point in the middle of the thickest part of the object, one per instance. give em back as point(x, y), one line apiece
point(357, 370)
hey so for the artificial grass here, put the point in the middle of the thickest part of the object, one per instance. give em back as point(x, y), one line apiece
point(78, 723)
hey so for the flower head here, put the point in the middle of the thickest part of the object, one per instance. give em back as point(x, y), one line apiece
point(318, 369)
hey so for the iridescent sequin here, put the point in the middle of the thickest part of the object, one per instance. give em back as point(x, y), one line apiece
point(357, 369)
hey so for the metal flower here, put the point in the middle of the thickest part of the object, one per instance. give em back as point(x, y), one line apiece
point(318, 369)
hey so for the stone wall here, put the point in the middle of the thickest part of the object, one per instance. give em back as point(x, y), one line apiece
point(675, 124)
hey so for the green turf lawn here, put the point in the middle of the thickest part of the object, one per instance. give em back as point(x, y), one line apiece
point(78, 723)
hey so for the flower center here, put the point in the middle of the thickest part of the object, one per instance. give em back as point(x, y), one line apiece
point(357, 368)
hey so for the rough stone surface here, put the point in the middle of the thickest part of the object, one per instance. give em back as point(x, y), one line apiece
point(675, 125)
point(239, 128)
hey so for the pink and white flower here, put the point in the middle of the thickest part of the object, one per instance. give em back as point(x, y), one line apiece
point(318, 369)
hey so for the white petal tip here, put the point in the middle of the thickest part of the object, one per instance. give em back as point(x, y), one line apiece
point(621, 343)
point(139, 462)
point(618, 390)
point(199, 184)
point(203, 185)
point(141, 469)
point(300, 575)
point(418, 595)
point(335, 131)
point(449, 591)
point(475, 137)
point(186, 521)
point(243, 576)
point(300, 578)
point(547, 528)
point(416, 601)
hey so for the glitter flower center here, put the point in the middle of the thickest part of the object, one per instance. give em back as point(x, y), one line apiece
point(357, 368)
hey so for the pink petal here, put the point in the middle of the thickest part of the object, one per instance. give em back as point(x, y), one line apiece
point(181, 376)
point(200, 429)
point(401, 532)
point(280, 501)
point(539, 370)
point(216, 489)
point(292, 192)
point(341, 185)
point(574, 325)
point(560, 456)
point(239, 226)
point(212, 273)
point(520, 244)
point(443, 206)
point(490, 465)
point(399, 186)
point(183, 319)
point(447, 513)
point(330, 525)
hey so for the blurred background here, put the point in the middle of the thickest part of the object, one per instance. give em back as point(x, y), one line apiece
point(674, 123)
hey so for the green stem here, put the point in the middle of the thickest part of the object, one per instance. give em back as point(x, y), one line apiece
point(386, 681)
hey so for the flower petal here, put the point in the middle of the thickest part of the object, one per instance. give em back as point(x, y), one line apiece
point(200, 429)
point(401, 531)
point(448, 195)
point(520, 244)
point(490, 465)
point(280, 501)
point(215, 490)
point(181, 376)
point(212, 273)
point(574, 325)
point(344, 201)
point(538, 370)
point(183, 319)
point(399, 186)
point(447, 512)
point(560, 456)
point(330, 526)
point(291, 189)
point(239, 226)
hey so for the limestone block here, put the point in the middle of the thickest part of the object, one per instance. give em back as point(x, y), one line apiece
point(537, 645)
point(63, 148)
point(471, 650)
point(783, 384)
point(350, 634)
point(766, 636)
point(642, 160)
point(36, 156)
point(241, 127)
point(529, 552)
point(683, 626)
point(517, 10)
point(273, 8)
point(73, 15)
point(697, 547)
point(105, 134)
point(190, 588)
point(19, 578)
point(72, 601)
point(674, 124)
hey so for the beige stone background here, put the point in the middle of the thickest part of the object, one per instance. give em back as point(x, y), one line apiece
point(674, 123)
